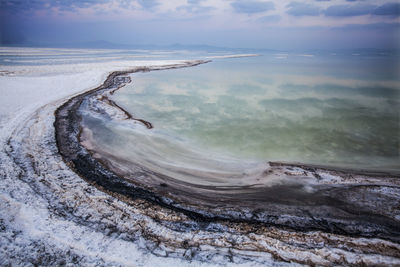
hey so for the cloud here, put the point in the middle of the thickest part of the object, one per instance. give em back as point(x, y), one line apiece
point(302, 9)
point(389, 9)
point(148, 4)
point(194, 2)
point(348, 10)
point(17, 6)
point(252, 6)
point(194, 7)
point(270, 18)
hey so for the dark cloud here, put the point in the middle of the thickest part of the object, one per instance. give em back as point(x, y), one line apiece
point(16, 6)
point(302, 9)
point(252, 6)
point(148, 4)
point(349, 10)
point(21, 6)
point(389, 9)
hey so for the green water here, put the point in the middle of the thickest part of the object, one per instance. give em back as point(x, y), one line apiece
point(341, 111)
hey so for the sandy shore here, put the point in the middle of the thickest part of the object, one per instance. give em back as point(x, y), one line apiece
point(51, 216)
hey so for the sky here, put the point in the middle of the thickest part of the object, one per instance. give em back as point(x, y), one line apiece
point(274, 24)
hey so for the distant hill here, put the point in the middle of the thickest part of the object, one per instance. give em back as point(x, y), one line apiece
point(102, 44)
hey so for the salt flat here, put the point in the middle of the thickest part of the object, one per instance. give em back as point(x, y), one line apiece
point(51, 216)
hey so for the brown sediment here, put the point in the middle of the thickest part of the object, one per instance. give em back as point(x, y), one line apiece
point(331, 209)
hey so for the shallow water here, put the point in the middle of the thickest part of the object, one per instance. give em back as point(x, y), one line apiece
point(328, 110)
point(206, 156)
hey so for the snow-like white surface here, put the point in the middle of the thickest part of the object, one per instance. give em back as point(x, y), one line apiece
point(36, 185)
point(234, 56)
point(49, 215)
point(23, 211)
point(29, 87)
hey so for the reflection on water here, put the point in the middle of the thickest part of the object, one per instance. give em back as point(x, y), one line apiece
point(322, 110)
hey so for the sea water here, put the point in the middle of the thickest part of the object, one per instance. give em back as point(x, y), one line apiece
point(337, 110)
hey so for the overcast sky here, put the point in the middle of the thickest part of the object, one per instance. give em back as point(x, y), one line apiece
point(276, 24)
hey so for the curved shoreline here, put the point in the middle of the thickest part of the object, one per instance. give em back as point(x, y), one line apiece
point(78, 158)
point(67, 133)
point(51, 216)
